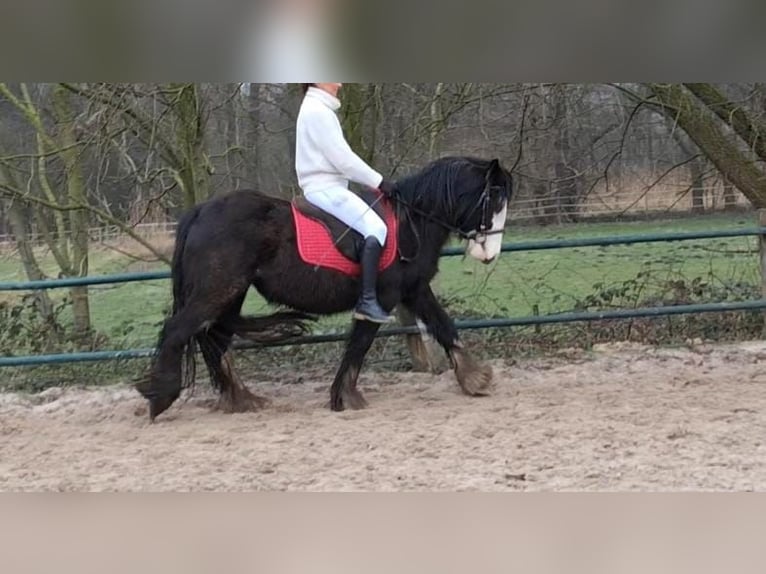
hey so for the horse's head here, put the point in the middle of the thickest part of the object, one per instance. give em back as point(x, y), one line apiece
point(466, 196)
point(486, 206)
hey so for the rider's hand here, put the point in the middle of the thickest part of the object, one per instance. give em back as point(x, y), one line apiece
point(387, 188)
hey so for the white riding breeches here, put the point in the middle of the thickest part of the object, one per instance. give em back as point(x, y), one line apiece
point(351, 210)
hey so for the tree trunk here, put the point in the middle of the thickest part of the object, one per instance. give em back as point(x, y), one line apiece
point(193, 173)
point(20, 229)
point(437, 122)
point(566, 186)
point(752, 131)
point(252, 121)
point(376, 113)
point(699, 124)
point(78, 218)
point(358, 113)
point(236, 140)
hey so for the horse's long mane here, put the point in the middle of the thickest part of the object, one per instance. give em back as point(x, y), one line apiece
point(447, 189)
point(436, 187)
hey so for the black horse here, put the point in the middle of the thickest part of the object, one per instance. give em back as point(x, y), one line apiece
point(226, 244)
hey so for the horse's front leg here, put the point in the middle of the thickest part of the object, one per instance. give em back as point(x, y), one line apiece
point(343, 393)
point(474, 379)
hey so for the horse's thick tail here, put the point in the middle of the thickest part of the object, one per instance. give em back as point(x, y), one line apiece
point(182, 233)
point(180, 290)
point(262, 330)
point(277, 327)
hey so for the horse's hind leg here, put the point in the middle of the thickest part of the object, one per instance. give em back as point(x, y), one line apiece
point(236, 397)
point(474, 379)
point(343, 393)
point(214, 344)
point(165, 381)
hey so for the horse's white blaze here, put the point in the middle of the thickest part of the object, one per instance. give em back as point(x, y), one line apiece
point(486, 247)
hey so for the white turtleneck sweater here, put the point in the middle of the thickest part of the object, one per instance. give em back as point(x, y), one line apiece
point(323, 158)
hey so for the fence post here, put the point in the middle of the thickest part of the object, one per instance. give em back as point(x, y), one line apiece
point(425, 352)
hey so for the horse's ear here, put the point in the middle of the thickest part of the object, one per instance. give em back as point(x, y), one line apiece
point(494, 166)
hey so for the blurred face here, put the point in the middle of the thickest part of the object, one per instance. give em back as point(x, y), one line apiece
point(330, 88)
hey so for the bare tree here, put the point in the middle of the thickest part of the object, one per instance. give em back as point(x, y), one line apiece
point(59, 209)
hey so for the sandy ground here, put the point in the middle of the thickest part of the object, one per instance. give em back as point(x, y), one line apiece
point(623, 417)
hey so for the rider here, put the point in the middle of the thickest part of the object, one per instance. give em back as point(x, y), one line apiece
point(324, 163)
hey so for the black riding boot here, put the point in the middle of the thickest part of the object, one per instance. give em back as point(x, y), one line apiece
point(368, 308)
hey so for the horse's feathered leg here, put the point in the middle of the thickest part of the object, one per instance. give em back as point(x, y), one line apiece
point(474, 379)
point(214, 343)
point(235, 397)
point(343, 393)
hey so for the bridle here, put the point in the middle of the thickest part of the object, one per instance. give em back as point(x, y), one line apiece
point(484, 203)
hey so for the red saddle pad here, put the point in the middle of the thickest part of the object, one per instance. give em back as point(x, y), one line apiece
point(315, 244)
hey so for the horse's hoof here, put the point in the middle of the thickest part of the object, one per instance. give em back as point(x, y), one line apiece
point(242, 403)
point(474, 379)
point(158, 405)
point(353, 400)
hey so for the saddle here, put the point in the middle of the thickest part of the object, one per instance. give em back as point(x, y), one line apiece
point(348, 241)
point(325, 241)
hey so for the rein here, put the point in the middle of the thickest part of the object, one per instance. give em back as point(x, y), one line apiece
point(466, 235)
point(408, 207)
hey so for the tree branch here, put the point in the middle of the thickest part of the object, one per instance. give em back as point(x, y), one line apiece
point(9, 191)
point(662, 176)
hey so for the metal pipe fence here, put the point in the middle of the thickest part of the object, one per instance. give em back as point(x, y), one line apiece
point(446, 252)
point(568, 317)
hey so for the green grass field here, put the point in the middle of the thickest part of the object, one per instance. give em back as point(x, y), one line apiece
point(551, 281)
point(555, 279)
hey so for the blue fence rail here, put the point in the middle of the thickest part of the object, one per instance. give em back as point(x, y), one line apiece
point(568, 317)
